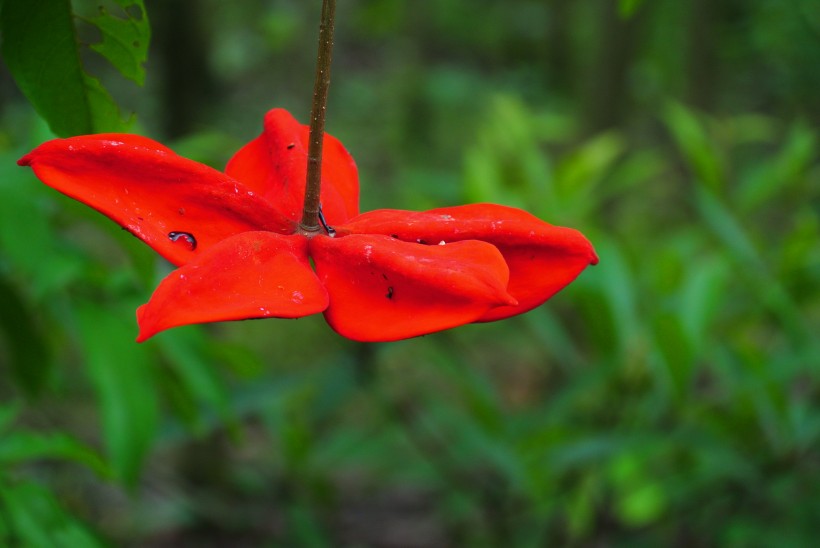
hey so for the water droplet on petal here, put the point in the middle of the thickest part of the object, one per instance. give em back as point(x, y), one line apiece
point(186, 238)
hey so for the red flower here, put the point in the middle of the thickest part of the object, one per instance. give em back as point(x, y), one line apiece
point(385, 275)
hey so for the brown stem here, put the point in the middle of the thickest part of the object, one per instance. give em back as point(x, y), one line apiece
point(310, 211)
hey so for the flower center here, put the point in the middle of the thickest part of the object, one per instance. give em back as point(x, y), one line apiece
point(310, 232)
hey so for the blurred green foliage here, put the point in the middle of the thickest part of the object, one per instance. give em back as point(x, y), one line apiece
point(668, 397)
point(43, 48)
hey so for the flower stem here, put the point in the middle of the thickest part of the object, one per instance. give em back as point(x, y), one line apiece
point(310, 211)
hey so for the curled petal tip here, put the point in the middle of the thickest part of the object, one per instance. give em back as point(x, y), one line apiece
point(593, 256)
point(25, 160)
point(145, 332)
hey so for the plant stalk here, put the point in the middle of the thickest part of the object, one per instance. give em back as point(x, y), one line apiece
point(313, 186)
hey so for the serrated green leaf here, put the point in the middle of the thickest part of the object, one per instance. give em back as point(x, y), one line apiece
point(41, 51)
point(125, 40)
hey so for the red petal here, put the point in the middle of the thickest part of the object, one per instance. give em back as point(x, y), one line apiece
point(251, 275)
point(275, 165)
point(153, 192)
point(542, 258)
point(382, 289)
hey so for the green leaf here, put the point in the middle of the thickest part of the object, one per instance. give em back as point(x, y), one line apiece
point(768, 288)
point(8, 414)
point(195, 371)
point(125, 40)
point(589, 163)
point(781, 173)
point(29, 361)
point(627, 8)
point(640, 500)
point(31, 516)
point(698, 149)
point(702, 295)
point(42, 52)
point(676, 349)
point(123, 378)
point(18, 447)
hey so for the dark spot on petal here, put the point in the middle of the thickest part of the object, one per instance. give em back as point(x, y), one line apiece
point(389, 293)
point(396, 236)
point(140, 218)
point(185, 237)
point(181, 211)
point(290, 146)
point(422, 242)
point(384, 276)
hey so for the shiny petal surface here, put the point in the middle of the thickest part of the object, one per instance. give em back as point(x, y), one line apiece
point(382, 289)
point(177, 206)
point(275, 165)
point(542, 258)
point(251, 275)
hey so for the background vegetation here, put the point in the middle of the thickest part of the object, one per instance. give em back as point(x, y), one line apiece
point(669, 397)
